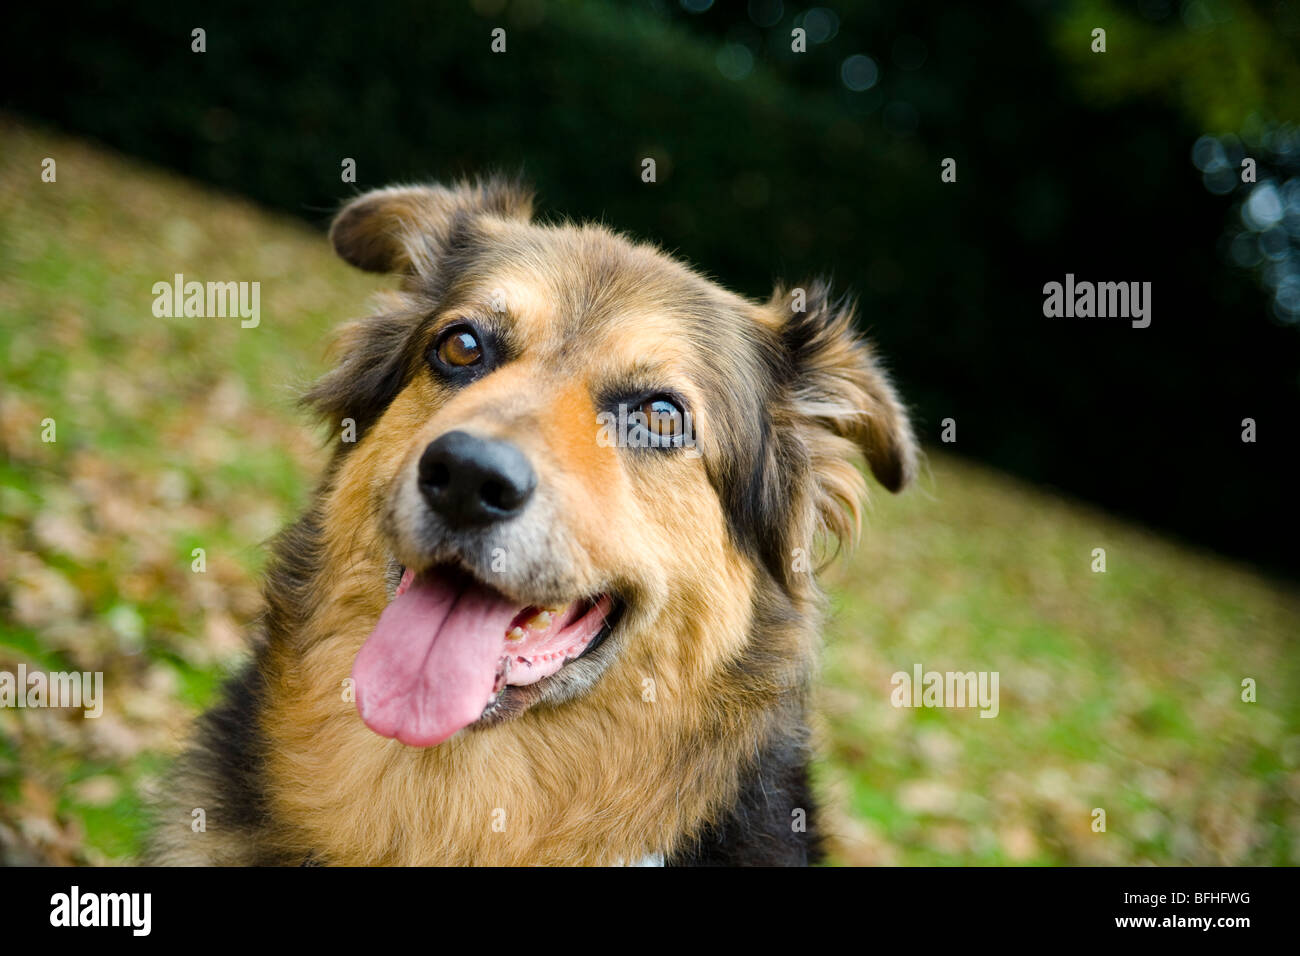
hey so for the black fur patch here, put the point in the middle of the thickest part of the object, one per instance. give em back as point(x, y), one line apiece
point(755, 491)
point(228, 760)
point(761, 829)
point(759, 474)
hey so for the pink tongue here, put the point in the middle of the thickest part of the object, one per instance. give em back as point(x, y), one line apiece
point(429, 667)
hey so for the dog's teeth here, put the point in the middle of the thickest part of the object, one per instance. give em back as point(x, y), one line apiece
point(515, 634)
point(540, 621)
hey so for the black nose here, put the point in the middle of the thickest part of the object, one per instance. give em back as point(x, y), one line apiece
point(475, 481)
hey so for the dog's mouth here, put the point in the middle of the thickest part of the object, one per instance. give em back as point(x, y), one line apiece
point(448, 647)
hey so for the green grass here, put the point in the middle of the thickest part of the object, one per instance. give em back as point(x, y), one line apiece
point(1118, 691)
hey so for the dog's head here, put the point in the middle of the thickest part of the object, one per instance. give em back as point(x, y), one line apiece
point(577, 458)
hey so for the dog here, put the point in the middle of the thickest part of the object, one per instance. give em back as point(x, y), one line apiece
point(554, 600)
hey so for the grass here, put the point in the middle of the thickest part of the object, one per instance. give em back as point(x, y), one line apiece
point(1119, 691)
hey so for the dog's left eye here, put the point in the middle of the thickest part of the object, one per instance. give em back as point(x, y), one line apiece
point(459, 347)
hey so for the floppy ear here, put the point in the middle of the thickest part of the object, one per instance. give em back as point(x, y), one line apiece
point(407, 228)
point(842, 404)
point(402, 229)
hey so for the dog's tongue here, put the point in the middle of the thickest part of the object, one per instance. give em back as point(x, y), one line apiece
point(429, 667)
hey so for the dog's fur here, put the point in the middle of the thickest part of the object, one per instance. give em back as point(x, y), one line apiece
point(683, 734)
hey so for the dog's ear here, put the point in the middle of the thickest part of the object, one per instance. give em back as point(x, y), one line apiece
point(408, 228)
point(841, 403)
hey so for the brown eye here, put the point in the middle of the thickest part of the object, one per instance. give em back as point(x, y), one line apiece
point(460, 347)
point(663, 417)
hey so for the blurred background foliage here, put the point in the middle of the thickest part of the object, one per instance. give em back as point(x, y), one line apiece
point(772, 163)
point(1119, 690)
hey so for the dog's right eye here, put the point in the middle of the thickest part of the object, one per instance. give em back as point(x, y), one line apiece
point(458, 347)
